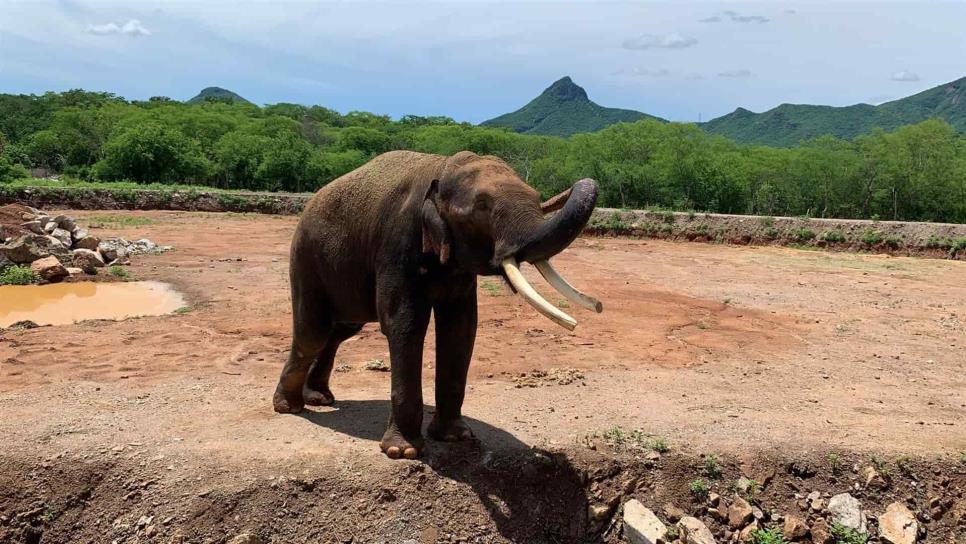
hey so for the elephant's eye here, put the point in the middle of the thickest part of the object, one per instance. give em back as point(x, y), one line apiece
point(482, 203)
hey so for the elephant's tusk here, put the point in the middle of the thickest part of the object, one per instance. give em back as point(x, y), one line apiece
point(512, 270)
point(560, 284)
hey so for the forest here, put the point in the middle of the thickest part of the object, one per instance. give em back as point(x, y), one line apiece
point(915, 173)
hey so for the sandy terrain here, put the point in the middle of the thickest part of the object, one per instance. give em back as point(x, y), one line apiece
point(732, 350)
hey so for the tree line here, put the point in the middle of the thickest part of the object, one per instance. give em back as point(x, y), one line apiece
point(916, 173)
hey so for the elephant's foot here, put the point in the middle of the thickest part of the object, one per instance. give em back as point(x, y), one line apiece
point(453, 430)
point(396, 446)
point(321, 397)
point(287, 402)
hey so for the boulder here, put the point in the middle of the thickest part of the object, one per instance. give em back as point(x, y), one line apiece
point(897, 525)
point(794, 529)
point(74, 271)
point(740, 513)
point(50, 227)
point(87, 242)
point(77, 233)
point(692, 531)
point(66, 222)
point(821, 534)
point(49, 269)
point(33, 226)
point(745, 534)
point(63, 236)
point(87, 260)
point(30, 247)
point(641, 526)
point(113, 249)
point(845, 509)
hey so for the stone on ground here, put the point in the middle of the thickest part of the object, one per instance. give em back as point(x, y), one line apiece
point(740, 513)
point(49, 269)
point(63, 236)
point(641, 525)
point(87, 242)
point(30, 247)
point(245, 538)
point(821, 534)
point(794, 529)
point(897, 525)
point(692, 531)
point(87, 260)
point(845, 509)
point(74, 271)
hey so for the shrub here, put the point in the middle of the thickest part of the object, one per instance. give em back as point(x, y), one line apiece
point(833, 237)
point(767, 536)
point(847, 535)
point(767, 221)
point(770, 233)
point(118, 271)
point(10, 171)
point(712, 469)
point(803, 235)
point(872, 237)
point(699, 490)
point(18, 275)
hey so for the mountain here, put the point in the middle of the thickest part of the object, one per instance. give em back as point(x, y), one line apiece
point(789, 124)
point(563, 109)
point(219, 94)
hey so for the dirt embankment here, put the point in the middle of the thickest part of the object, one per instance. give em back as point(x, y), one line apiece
point(940, 240)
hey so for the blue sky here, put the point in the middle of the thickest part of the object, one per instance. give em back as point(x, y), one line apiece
point(474, 60)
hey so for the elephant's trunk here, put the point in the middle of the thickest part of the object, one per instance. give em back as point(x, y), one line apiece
point(546, 240)
point(555, 234)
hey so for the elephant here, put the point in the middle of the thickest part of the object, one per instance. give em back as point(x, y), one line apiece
point(405, 236)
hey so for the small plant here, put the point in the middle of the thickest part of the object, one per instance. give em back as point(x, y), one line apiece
point(770, 233)
point(753, 488)
point(672, 533)
point(880, 466)
point(183, 310)
point(660, 445)
point(690, 215)
point(835, 462)
point(119, 221)
point(934, 242)
point(767, 221)
point(767, 536)
point(562, 303)
point(962, 457)
point(699, 490)
point(118, 271)
point(832, 237)
point(803, 235)
point(492, 288)
point(18, 275)
point(712, 469)
point(872, 237)
point(847, 535)
point(727, 300)
point(701, 325)
point(615, 223)
point(893, 241)
point(667, 217)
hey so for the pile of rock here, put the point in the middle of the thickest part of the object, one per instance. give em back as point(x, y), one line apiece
point(56, 247)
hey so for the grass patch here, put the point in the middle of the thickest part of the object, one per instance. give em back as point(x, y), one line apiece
point(635, 439)
point(18, 275)
point(767, 221)
point(67, 182)
point(119, 221)
point(184, 310)
point(118, 271)
point(492, 288)
point(847, 535)
point(767, 536)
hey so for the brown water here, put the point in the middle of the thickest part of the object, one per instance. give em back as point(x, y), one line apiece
point(64, 303)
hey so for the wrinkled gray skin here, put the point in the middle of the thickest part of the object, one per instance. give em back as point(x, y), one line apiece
point(402, 237)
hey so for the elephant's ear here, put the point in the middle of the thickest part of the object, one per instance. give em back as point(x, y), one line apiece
point(436, 238)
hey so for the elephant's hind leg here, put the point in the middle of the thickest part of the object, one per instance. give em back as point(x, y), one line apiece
point(316, 391)
point(311, 329)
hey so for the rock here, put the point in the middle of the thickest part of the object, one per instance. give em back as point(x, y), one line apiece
point(897, 525)
point(794, 528)
point(74, 271)
point(63, 236)
point(692, 531)
point(30, 247)
point(49, 269)
point(718, 514)
point(740, 513)
point(245, 538)
point(845, 509)
point(66, 222)
point(87, 260)
point(815, 501)
point(34, 227)
point(673, 513)
point(141, 246)
point(641, 526)
point(50, 227)
point(5, 262)
point(112, 250)
point(79, 233)
point(87, 242)
point(745, 534)
point(744, 484)
point(598, 512)
point(873, 479)
point(821, 533)
point(714, 499)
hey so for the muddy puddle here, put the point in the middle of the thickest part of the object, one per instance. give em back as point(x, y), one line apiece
point(65, 303)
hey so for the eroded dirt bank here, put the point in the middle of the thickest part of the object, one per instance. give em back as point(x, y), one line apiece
point(740, 352)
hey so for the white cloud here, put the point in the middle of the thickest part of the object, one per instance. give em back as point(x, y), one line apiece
point(735, 17)
point(132, 28)
point(654, 41)
point(904, 75)
point(735, 74)
point(643, 72)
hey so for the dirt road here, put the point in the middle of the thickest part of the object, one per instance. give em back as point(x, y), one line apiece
point(719, 349)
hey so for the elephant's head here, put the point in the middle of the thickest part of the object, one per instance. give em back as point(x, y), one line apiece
point(480, 216)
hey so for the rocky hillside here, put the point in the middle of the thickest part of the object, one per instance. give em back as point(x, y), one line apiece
point(217, 94)
point(563, 109)
point(789, 124)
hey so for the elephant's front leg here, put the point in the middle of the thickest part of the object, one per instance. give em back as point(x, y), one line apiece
point(455, 336)
point(404, 319)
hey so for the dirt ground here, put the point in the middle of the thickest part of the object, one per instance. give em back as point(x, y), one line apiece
point(743, 352)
